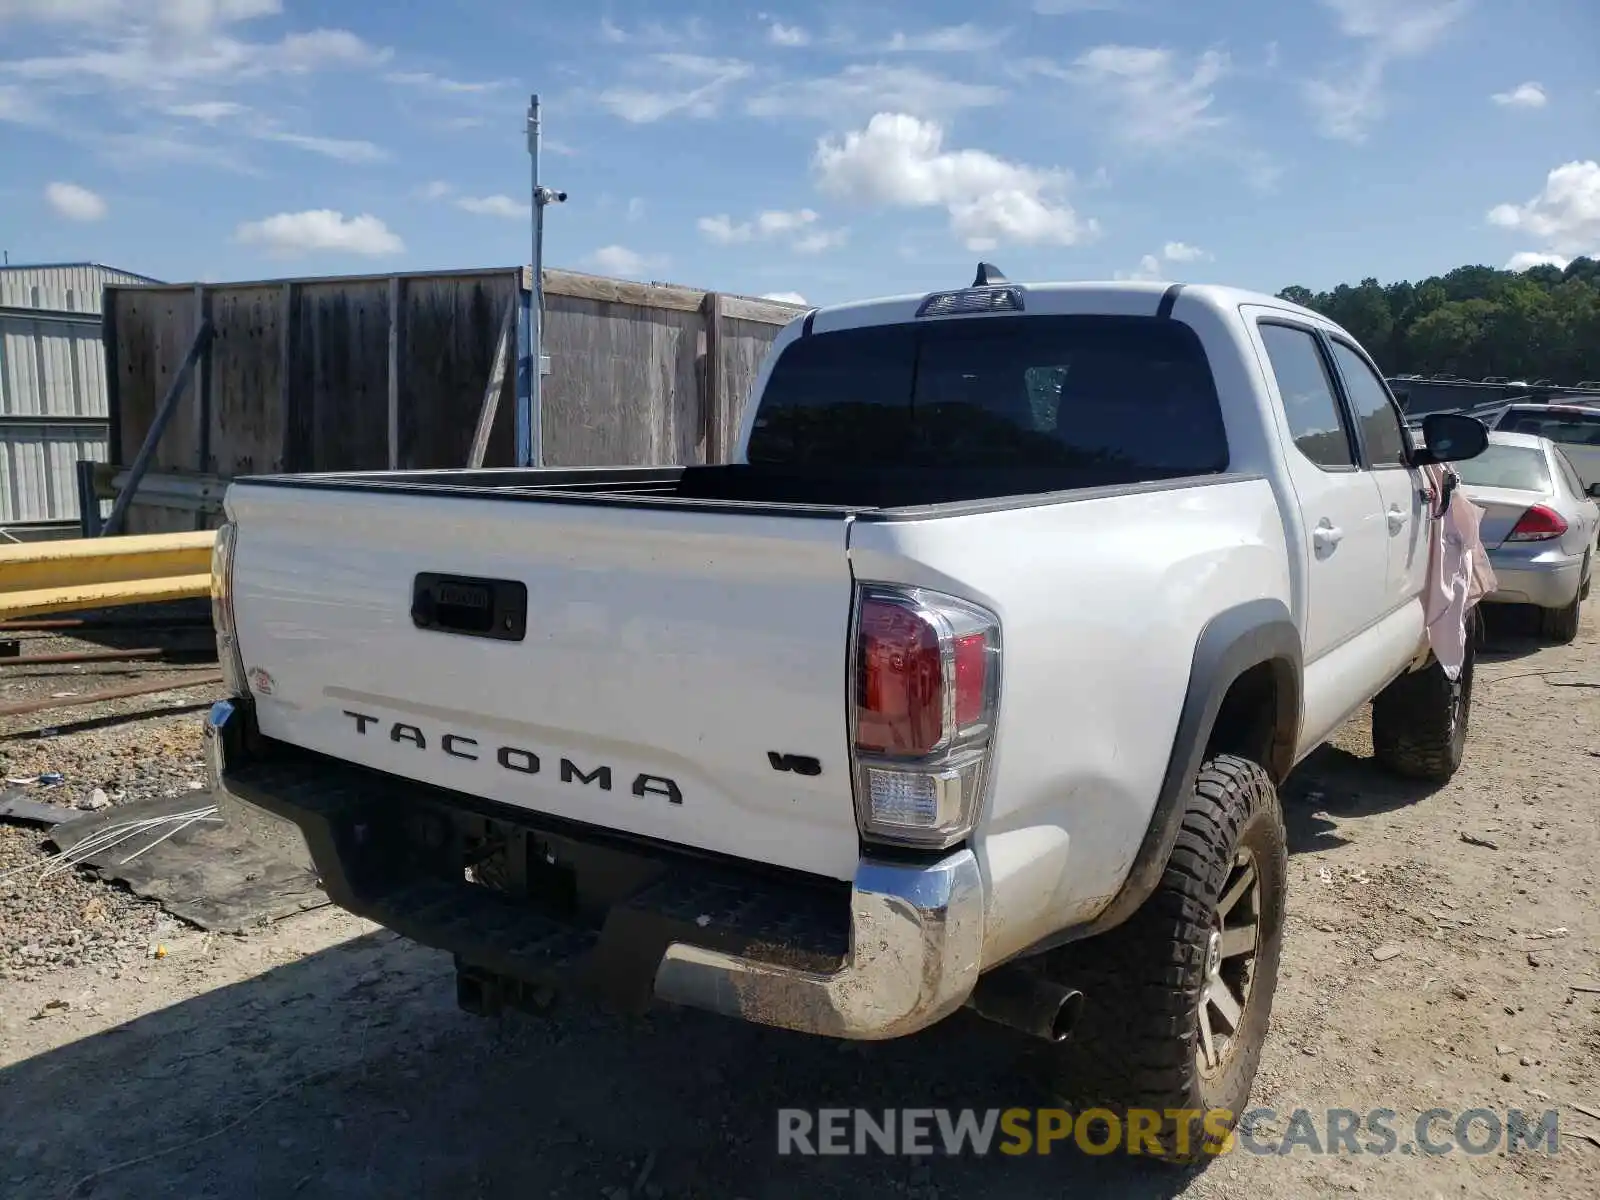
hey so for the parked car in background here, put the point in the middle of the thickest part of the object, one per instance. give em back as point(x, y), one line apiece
point(1539, 526)
point(1573, 427)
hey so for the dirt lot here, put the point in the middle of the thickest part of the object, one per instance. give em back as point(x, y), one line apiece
point(324, 1057)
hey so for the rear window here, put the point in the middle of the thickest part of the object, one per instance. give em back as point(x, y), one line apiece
point(1575, 429)
point(1130, 398)
point(1520, 467)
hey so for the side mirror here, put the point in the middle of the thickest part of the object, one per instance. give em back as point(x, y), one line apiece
point(1594, 490)
point(1451, 437)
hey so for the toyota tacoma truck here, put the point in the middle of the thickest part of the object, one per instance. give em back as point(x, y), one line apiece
point(969, 683)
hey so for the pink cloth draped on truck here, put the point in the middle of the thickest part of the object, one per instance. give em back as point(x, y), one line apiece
point(1459, 574)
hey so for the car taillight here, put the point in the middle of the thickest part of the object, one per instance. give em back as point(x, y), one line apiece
point(222, 610)
point(1538, 524)
point(927, 685)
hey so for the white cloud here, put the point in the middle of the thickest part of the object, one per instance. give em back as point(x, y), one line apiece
point(785, 297)
point(798, 228)
point(321, 230)
point(635, 208)
point(1524, 95)
point(427, 81)
point(722, 230)
point(862, 90)
point(780, 34)
point(495, 206)
point(1151, 266)
point(900, 161)
point(1154, 101)
point(208, 111)
point(653, 33)
point(341, 149)
point(301, 52)
point(689, 84)
point(820, 240)
point(120, 71)
point(619, 260)
point(948, 39)
point(1564, 216)
point(437, 189)
point(1349, 100)
point(18, 106)
point(1530, 258)
point(75, 203)
point(1061, 8)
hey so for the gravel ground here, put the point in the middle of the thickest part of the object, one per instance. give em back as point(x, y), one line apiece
point(1442, 950)
point(109, 753)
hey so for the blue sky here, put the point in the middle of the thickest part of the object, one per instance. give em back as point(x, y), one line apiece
point(825, 150)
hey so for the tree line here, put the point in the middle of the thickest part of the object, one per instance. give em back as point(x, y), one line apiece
point(1542, 323)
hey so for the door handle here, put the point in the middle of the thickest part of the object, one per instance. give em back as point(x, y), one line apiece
point(1397, 518)
point(1326, 535)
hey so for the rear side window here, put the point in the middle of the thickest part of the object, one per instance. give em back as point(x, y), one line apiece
point(1570, 474)
point(1129, 398)
point(1574, 429)
point(1378, 418)
point(1315, 421)
point(1521, 468)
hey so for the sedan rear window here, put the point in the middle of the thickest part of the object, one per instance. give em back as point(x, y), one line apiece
point(1522, 468)
point(1573, 429)
point(1124, 398)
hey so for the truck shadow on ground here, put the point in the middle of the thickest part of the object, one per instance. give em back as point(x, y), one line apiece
point(1333, 784)
point(351, 1074)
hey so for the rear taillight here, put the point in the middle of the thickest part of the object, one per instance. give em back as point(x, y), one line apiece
point(1538, 524)
point(927, 685)
point(222, 610)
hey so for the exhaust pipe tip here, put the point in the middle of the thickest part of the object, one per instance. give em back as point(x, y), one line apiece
point(1021, 1000)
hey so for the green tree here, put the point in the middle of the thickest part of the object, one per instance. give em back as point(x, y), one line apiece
point(1475, 321)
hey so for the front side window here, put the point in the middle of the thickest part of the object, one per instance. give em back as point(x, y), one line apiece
point(1309, 401)
point(1375, 414)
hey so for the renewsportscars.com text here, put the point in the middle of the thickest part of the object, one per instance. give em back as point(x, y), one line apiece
point(1020, 1131)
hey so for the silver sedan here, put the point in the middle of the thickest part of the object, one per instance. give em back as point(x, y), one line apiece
point(1540, 526)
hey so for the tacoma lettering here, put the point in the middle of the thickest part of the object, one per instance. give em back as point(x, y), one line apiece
point(520, 760)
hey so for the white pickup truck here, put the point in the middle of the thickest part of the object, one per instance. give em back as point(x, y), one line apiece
point(969, 683)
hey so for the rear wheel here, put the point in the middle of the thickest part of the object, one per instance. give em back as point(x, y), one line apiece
point(1419, 722)
point(1560, 625)
point(1176, 1001)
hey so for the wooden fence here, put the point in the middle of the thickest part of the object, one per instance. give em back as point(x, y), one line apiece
point(368, 373)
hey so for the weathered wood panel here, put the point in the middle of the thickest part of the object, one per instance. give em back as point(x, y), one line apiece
point(744, 346)
point(341, 373)
point(248, 423)
point(154, 329)
point(450, 330)
point(623, 386)
point(300, 372)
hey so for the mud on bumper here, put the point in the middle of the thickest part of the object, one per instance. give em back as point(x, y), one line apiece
point(528, 904)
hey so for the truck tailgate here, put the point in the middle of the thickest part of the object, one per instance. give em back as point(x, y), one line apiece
point(667, 654)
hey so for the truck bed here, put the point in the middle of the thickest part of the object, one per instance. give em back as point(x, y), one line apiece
point(790, 491)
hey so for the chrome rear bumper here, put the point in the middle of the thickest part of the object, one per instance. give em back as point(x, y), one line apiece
point(915, 935)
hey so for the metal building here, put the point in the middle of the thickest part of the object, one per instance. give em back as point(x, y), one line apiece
point(53, 408)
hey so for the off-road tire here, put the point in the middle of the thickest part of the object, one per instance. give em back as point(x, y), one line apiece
point(1420, 721)
point(1137, 1041)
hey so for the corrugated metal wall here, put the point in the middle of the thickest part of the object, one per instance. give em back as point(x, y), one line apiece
point(53, 408)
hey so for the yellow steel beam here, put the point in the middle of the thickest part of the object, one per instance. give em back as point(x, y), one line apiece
point(84, 562)
point(103, 595)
